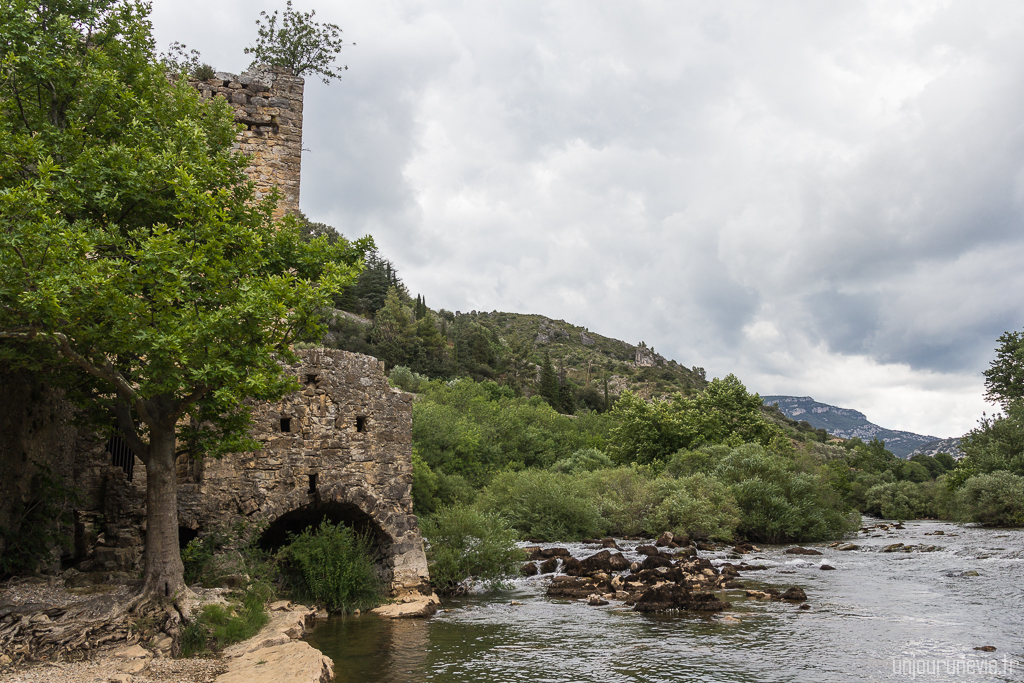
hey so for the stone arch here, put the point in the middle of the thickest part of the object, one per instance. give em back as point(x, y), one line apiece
point(311, 515)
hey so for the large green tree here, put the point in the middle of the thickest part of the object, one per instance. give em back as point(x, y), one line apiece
point(724, 413)
point(1004, 380)
point(133, 249)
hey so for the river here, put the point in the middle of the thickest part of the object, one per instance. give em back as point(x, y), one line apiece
point(879, 617)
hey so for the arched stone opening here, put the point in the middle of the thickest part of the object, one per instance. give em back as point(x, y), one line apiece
point(186, 535)
point(299, 519)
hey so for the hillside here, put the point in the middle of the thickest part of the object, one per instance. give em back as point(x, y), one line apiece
point(950, 445)
point(589, 357)
point(847, 423)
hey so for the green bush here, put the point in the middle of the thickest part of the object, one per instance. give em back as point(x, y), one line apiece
point(204, 72)
point(432, 490)
point(221, 625)
point(900, 500)
point(624, 497)
point(685, 462)
point(583, 460)
point(701, 507)
point(334, 567)
point(995, 499)
point(542, 505)
point(778, 502)
point(464, 542)
point(407, 380)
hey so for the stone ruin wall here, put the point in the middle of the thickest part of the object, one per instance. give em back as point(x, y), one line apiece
point(347, 450)
point(268, 102)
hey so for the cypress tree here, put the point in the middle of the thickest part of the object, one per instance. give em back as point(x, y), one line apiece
point(549, 389)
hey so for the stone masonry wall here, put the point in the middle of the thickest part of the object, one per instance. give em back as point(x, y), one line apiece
point(344, 442)
point(340, 446)
point(268, 102)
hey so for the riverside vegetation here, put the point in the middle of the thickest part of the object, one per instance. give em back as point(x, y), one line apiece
point(558, 433)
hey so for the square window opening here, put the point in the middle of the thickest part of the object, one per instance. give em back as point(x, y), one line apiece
point(286, 424)
point(311, 379)
point(361, 423)
point(312, 483)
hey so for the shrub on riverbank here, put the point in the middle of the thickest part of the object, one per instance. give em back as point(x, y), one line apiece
point(717, 493)
point(542, 505)
point(218, 626)
point(464, 542)
point(995, 499)
point(332, 565)
point(900, 500)
point(701, 506)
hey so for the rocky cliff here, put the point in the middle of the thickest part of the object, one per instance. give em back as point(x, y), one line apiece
point(847, 423)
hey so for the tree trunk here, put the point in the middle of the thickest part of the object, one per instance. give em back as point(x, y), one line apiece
point(164, 573)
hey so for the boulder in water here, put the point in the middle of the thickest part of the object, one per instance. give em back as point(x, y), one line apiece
point(802, 551)
point(549, 566)
point(670, 597)
point(794, 593)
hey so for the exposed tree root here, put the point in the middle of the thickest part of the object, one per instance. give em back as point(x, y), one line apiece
point(37, 631)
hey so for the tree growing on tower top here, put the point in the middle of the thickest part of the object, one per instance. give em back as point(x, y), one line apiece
point(298, 43)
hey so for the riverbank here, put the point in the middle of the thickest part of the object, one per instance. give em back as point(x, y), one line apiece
point(274, 655)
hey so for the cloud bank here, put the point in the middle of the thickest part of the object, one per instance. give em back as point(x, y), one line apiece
point(823, 198)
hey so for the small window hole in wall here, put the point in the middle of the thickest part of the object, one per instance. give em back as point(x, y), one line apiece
point(311, 380)
point(286, 424)
point(312, 483)
point(361, 423)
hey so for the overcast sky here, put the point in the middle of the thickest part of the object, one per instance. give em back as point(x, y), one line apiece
point(825, 199)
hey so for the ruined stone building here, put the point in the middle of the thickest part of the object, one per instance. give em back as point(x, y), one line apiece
point(339, 449)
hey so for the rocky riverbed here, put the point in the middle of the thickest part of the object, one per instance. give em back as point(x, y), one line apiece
point(671, 577)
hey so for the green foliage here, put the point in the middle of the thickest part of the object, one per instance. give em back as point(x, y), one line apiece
point(724, 413)
point(995, 499)
point(625, 498)
point(299, 43)
point(406, 380)
point(1004, 380)
point(464, 542)
point(218, 626)
point(900, 500)
point(583, 460)
point(701, 507)
point(333, 566)
point(197, 557)
point(542, 505)
point(204, 72)
point(548, 387)
point(997, 443)
point(38, 526)
point(781, 501)
point(704, 460)
point(477, 429)
point(432, 491)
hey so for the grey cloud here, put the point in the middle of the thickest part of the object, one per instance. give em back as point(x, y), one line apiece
point(846, 176)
